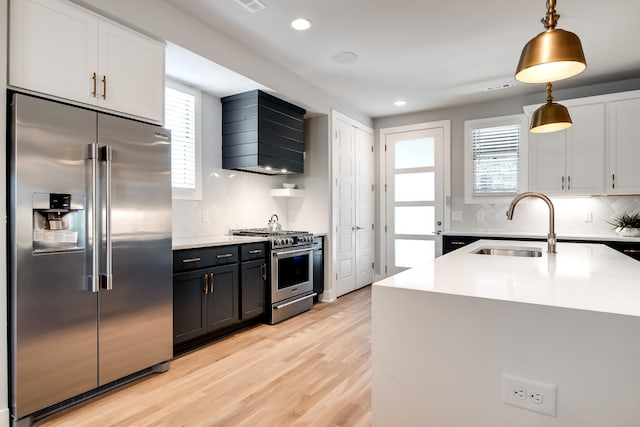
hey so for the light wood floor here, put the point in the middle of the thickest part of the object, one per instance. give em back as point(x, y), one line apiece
point(311, 370)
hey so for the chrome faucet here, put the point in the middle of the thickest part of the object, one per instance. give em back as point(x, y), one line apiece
point(551, 237)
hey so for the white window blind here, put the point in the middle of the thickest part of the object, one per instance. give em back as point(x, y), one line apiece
point(180, 117)
point(496, 159)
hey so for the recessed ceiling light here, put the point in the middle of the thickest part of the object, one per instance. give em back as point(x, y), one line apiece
point(301, 24)
point(344, 57)
point(400, 103)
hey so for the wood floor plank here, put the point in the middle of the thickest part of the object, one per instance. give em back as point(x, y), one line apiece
point(311, 370)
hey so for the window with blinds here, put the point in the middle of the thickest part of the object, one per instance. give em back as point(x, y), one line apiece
point(495, 158)
point(181, 105)
point(496, 153)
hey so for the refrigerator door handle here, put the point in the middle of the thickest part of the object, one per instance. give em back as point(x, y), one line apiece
point(94, 277)
point(107, 153)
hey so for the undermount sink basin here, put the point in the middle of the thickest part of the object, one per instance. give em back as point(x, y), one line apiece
point(509, 251)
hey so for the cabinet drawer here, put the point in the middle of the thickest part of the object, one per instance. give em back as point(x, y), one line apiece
point(191, 259)
point(251, 251)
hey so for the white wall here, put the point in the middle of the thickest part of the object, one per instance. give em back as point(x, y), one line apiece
point(530, 220)
point(233, 199)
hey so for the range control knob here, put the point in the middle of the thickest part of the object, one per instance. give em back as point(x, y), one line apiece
point(289, 240)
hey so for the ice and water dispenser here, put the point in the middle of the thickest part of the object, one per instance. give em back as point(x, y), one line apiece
point(58, 222)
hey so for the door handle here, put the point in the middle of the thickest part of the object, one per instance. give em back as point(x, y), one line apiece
point(94, 278)
point(264, 271)
point(107, 156)
point(206, 284)
point(212, 288)
point(94, 78)
point(104, 87)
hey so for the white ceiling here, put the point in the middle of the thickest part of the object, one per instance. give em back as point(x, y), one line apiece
point(433, 54)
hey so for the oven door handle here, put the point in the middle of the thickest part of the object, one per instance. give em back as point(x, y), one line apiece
point(296, 251)
point(278, 307)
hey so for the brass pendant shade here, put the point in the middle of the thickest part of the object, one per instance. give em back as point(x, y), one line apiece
point(551, 117)
point(552, 55)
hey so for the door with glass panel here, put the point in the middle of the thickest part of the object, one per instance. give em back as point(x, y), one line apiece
point(414, 197)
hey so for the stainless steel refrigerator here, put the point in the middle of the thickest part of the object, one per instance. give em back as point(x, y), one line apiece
point(90, 293)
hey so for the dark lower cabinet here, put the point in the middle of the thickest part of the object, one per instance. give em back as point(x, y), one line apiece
point(189, 305)
point(222, 299)
point(252, 292)
point(318, 264)
point(226, 295)
point(204, 301)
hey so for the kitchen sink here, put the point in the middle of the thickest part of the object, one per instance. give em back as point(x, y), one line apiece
point(509, 251)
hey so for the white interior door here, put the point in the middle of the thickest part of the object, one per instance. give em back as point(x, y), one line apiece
point(414, 197)
point(365, 207)
point(344, 204)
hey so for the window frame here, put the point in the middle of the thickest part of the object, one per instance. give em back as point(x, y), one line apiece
point(182, 193)
point(523, 154)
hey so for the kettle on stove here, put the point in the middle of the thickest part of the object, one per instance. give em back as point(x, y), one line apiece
point(273, 224)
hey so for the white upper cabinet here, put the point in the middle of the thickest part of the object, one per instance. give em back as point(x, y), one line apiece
point(624, 147)
point(570, 162)
point(60, 49)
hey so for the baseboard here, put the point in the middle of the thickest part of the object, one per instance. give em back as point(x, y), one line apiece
point(4, 417)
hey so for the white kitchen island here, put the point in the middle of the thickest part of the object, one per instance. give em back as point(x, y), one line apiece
point(445, 333)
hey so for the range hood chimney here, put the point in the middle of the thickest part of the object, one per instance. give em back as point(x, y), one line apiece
point(262, 134)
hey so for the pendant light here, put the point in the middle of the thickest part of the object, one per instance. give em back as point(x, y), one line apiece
point(550, 117)
point(552, 55)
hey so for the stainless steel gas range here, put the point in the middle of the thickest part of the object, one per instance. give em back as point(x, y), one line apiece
point(291, 271)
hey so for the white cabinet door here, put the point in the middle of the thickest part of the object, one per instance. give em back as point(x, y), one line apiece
point(344, 189)
point(365, 207)
point(131, 68)
point(624, 147)
point(570, 162)
point(547, 162)
point(66, 51)
point(53, 49)
point(585, 151)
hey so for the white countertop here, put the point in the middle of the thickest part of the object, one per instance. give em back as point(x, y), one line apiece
point(613, 237)
point(208, 241)
point(581, 275)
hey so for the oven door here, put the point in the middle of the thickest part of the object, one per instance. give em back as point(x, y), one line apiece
point(291, 273)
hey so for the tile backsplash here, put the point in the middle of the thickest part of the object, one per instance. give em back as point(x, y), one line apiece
point(574, 216)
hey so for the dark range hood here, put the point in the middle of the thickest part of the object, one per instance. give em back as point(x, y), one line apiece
point(262, 134)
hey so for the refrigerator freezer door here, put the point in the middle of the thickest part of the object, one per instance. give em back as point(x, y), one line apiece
point(135, 316)
point(53, 340)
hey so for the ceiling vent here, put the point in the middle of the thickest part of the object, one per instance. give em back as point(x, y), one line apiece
point(252, 5)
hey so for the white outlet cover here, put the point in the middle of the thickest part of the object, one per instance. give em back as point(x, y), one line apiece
point(540, 397)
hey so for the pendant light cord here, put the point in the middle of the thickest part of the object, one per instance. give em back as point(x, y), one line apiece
point(549, 95)
point(551, 19)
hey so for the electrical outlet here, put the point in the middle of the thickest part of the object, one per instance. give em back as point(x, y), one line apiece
point(456, 215)
point(528, 394)
point(480, 215)
point(205, 216)
point(588, 216)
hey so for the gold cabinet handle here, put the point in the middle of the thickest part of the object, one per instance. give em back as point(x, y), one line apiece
point(212, 287)
point(255, 251)
point(613, 181)
point(631, 251)
point(206, 284)
point(224, 256)
point(104, 87)
point(188, 260)
point(569, 183)
point(94, 78)
point(563, 182)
